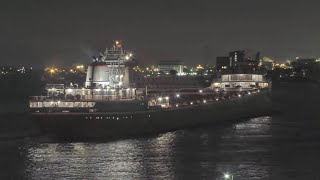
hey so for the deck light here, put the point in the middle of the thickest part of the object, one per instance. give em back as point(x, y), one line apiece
point(228, 176)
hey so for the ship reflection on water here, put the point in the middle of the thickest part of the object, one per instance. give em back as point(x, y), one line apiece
point(195, 153)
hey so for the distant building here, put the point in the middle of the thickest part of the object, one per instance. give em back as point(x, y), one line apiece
point(223, 63)
point(303, 67)
point(166, 66)
point(238, 62)
point(236, 57)
point(267, 65)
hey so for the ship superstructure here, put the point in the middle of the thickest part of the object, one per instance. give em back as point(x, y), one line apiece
point(109, 70)
point(107, 79)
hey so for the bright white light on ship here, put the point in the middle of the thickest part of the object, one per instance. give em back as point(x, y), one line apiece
point(98, 89)
point(178, 95)
point(217, 99)
point(204, 101)
point(227, 176)
point(160, 98)
point(239, 95)
point(130, 54)
point(127, 57)
point(249, 93)
point(200, 91)
point(58, 102)
point(51, 102)
point(167, 98)
point(191, 103)
point(69, 90)
point(120, 83)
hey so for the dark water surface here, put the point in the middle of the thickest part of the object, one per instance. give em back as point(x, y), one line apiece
point(282, 146)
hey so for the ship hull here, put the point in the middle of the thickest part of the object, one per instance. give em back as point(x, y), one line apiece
point(108, 125)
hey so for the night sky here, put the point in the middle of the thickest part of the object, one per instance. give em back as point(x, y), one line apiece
point(64, 32)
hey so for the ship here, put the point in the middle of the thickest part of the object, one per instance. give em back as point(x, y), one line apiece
point(107, 106)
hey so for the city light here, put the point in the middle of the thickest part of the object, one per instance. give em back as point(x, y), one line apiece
point(79, 66)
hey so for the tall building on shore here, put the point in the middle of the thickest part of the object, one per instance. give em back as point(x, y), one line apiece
point(237, 61)
point(223, 63)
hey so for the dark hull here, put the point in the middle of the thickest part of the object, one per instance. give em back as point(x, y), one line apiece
point(114, 125)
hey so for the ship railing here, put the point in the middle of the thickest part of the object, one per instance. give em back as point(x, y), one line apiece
point(83, 99)
point(39, 98)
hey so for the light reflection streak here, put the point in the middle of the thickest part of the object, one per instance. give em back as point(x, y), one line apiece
point(245, 155)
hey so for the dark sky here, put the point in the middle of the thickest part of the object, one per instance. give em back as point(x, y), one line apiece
point(65, 32)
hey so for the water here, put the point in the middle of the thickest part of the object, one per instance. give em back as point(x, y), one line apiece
point(280, 146)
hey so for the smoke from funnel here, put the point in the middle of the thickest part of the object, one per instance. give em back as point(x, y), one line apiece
point(88, 52)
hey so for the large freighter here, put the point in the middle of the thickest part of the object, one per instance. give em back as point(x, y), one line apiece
point(108, 106)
